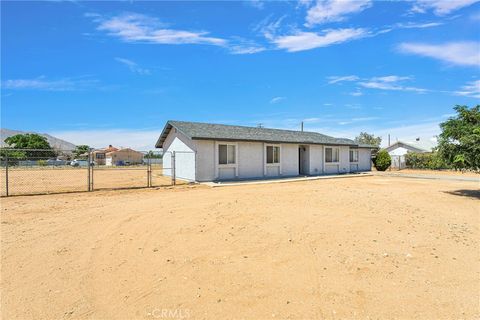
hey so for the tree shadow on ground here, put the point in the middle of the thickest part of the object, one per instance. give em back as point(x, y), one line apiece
point(465, 193)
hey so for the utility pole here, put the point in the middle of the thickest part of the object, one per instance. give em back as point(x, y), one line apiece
point(301, 126)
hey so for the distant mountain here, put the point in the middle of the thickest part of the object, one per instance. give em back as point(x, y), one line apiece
point(56, 143)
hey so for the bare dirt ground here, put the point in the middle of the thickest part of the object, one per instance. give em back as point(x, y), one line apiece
point(439, 172)
point(355, 248)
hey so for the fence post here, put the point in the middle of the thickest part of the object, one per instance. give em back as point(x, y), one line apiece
point(173, 169)
point(92, 171)
point(6, 174)
point(88, 172)
point(149, 172)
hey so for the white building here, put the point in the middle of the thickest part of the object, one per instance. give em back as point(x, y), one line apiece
point(209, 152)
point(398, 150)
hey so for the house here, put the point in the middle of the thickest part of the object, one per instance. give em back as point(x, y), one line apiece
point(209, 152)
point(398, 150)
point(99, 155)
point(122, 157)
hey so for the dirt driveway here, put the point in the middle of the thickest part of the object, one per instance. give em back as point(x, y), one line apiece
point(353, 248)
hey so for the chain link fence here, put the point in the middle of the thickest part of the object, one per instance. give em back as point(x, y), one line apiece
point(30, 171)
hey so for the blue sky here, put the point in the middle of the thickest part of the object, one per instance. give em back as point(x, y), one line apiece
point(113, 72)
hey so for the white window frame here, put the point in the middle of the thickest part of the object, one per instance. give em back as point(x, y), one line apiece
point(279, 153)
point(217, 157)
point(228, 145)
point(358, 155)
point(325, 155)
point(276, 164)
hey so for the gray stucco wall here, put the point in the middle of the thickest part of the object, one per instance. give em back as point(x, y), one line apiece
point(316, 159)
point(364, 159)
point(184, 156)
point(250, 160)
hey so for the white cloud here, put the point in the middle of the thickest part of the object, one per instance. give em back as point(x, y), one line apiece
point(390, 78)
point(471, 89)
point(334, 10)
point(361, 119)
point(133, 27)
point(356, 93)
point(133, 66)
point(459, 53)
point(41, 83)
point(277, 100)
point(391, 82)
point(335, 79)
point(258, 4)
point(415, 25)
point(440, 7)
point(310, 40)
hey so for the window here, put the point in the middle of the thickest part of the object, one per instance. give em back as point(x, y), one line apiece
point(273, 154)
point(331, 154)
point(353, 155)
point(226, 154)
point(100, 156)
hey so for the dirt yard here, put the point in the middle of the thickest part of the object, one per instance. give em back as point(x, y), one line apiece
point(438, 172)
point(354, 248)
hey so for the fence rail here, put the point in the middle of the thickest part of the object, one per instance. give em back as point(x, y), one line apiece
point(33, 171)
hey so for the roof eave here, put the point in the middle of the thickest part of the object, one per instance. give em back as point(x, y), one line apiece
point(273, 141)
point(163, 135)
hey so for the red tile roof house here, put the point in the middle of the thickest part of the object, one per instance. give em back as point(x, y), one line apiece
point(210, 152)
point(99, 155)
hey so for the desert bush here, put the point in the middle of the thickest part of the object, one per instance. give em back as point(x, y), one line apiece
point(42, 163)
point(383, 160)
point(430, 160)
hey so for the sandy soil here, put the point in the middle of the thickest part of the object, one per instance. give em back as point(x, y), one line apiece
point(48, 180)
point(438, 172)
point(377, 247)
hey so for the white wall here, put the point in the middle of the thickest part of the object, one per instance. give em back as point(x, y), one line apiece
point(205, 160)
point(184, 156)
point(289, 159)
point(400, 151)
point(364, 159)
point(316, 159)
point(250, 159)
point(344, 166)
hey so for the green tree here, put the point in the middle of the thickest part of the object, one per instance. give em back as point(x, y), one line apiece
point(459, 142)
point(30, 145)
point(366, 138)
point(81, 149)
point(383, 160)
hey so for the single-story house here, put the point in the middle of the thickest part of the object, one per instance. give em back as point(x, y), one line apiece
point(398, 150)
point(123, 157)
point(99, 156)
point(209, 152)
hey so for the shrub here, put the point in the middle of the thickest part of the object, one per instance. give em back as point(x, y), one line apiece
point(42, 163)
point(383, 160)
point(430, 160)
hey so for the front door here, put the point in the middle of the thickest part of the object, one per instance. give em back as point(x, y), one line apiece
point(302, 169)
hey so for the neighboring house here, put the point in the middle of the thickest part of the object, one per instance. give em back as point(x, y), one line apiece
point(99, 156)
point(122, 157)
point(398, 150)
point(208, 152)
